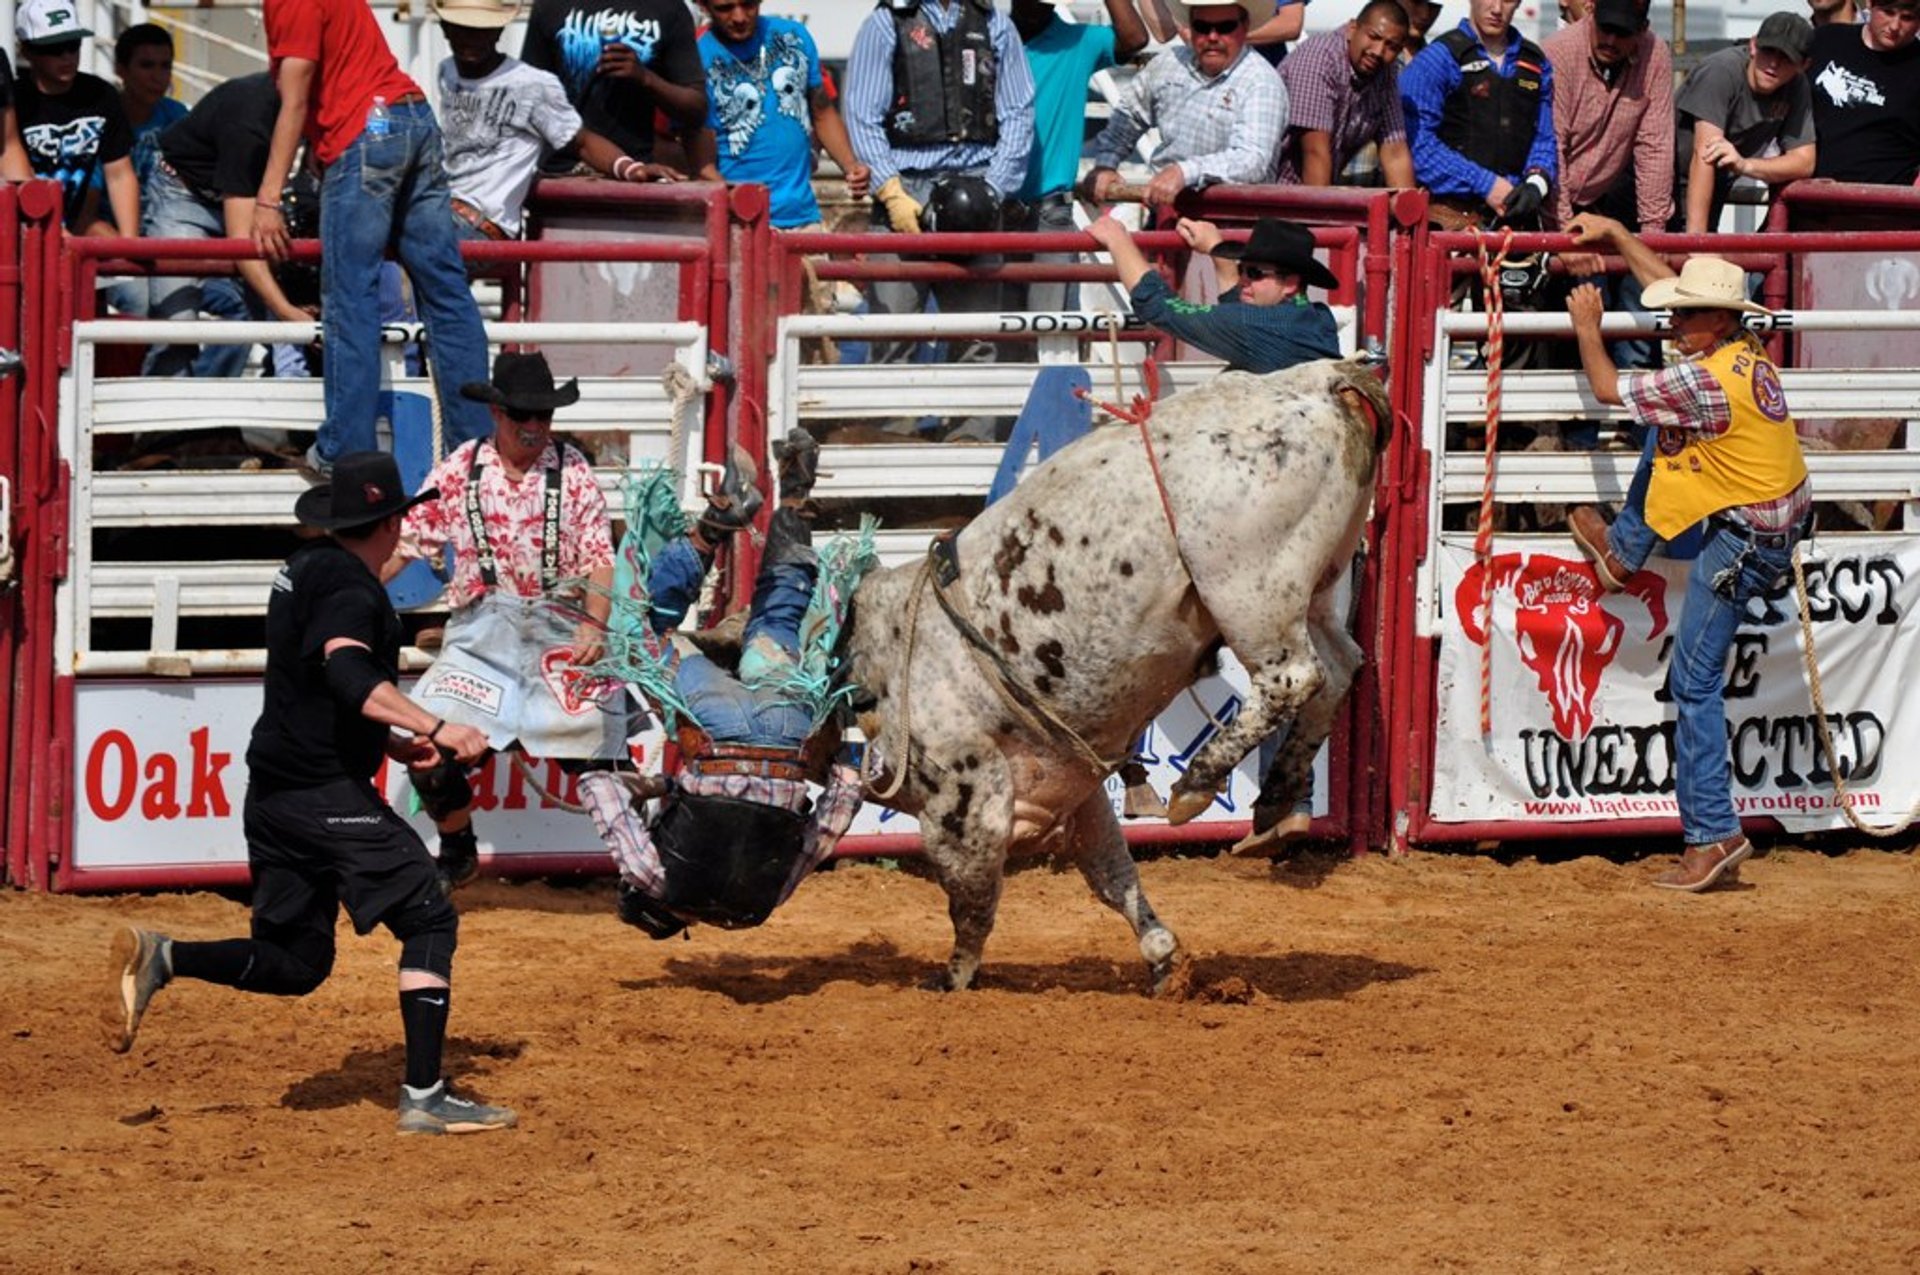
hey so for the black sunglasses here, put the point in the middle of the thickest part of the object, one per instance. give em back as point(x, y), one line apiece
point(1203, 27)
point(519, 417)
point(1254, 274)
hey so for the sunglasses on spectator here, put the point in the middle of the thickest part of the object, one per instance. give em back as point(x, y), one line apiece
point(519, 417)
point(1254, 274)
point(1226, 27)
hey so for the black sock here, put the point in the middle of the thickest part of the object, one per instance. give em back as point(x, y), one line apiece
point(423, 1012)
point(227, 961)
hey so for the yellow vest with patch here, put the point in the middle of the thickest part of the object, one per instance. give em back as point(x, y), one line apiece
point(1757, 459)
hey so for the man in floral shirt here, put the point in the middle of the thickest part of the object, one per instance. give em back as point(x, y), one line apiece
point(527, 525)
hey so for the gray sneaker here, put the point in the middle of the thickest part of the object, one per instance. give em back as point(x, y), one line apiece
point(442, 1111)
point(140, 968)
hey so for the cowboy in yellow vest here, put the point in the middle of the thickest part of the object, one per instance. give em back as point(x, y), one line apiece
point(1722, 455)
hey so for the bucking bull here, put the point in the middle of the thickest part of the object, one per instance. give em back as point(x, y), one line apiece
point(1004, 677)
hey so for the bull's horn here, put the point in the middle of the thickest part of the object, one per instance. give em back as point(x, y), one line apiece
point(1185, 805)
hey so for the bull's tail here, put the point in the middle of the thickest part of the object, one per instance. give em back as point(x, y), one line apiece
point(1363, 392)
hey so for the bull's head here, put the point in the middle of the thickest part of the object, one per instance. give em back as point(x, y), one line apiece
point(1562, 627)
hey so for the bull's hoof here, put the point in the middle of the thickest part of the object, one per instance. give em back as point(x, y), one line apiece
point(1185, 805)
point(954, 978)
point(1173, 978)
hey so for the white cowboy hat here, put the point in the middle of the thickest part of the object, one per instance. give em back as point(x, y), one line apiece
point(1704, 283)
point(1257, 11)
point(484, 14)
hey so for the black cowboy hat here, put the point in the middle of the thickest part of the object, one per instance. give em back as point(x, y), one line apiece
point(522, 383)
point(1285, 245)
point(365, 487)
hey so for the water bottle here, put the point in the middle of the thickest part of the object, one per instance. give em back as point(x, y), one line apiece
point(379, 123)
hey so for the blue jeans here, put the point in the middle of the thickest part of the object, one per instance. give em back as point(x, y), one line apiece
point(168, 210)
point(393, 189)
point(1730, 571)
point(729, 711)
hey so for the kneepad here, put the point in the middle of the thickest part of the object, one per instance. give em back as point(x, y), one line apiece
point(428, 931)
point(443, 788)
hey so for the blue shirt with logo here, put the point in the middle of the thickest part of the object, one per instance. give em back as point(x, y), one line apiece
point(759, 107)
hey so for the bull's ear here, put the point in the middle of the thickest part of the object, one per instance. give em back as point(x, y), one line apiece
point(1650, 588)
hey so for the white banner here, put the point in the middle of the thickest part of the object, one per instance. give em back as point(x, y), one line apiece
point(1581, 726)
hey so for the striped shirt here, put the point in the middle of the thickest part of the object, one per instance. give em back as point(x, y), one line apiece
point(1226, 129)
point(1606, 131)
point(628, 840)
point(869, 94)
point(1324, 95)
point(1687, 397)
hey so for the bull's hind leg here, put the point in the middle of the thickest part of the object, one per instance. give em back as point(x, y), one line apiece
point(1280, 685)
point(965, 835)
point(1093, 837)
point(1340, 656)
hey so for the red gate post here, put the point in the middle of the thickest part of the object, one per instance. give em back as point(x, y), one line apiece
point(14, 860)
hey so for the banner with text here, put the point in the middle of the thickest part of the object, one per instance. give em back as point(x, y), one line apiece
point(1582, 728)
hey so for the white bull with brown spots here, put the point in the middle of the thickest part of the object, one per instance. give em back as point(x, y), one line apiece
point(1074, 618)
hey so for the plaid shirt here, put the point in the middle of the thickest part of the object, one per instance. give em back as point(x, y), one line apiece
point(1325, 96)
point(630, 843)
point(1605, 130)
point(1226, 129)
point(1688, 397)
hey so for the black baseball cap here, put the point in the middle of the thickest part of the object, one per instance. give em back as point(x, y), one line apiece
point(1789, 33)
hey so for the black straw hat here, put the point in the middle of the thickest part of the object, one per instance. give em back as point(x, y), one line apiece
point(522, 383)
point(365, 487)
point(1285, 245)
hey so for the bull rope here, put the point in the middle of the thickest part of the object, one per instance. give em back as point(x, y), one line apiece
point(540, 790)
point(1818, 694)
point(683, 390)
point(1490, 266)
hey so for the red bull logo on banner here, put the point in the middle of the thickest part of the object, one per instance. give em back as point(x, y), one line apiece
point(1565, 631)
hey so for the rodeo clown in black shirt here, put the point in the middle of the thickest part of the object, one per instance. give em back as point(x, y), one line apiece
point(318, 832)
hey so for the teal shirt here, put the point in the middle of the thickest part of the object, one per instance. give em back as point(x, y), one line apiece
point(1062, 58)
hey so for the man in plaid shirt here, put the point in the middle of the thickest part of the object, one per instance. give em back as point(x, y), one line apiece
point(1343, 92)
point(1722, 453)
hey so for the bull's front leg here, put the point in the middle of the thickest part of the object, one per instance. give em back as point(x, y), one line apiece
point(1278, 688)
point(1095, 841)
point(965, 827)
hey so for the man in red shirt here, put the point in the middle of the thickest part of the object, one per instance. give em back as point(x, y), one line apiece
point(370, 126)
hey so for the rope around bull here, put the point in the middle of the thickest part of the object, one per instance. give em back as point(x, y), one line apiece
point(1490, 267)
point(1818, 693)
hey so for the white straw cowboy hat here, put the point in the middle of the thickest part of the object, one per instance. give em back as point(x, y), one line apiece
point(1257, 11)
point(1704, 283)
point(485, 14)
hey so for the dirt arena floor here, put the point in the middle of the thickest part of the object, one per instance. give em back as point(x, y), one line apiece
point(1436, 1063)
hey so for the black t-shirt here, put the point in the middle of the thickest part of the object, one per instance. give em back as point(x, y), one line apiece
point(69, 135)
point(221, 146)
point(305, 737)
point(566, 36)
point(1866, 108)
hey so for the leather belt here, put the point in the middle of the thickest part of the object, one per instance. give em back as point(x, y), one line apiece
point(761, 768)
point(408, 99)
point(1765, 539)
point(478, 220)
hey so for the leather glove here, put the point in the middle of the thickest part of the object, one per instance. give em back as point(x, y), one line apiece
point(1526, 198)
point(903, 210)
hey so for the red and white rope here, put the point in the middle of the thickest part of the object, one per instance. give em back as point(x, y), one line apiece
point(1490, 266)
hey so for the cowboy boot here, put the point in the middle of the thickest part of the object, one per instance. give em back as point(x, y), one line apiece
point(1589, 530)
point(789, 539)
point(798, 459)
point(736, 501)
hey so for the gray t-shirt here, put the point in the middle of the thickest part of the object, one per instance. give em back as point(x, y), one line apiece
point(1718, 93)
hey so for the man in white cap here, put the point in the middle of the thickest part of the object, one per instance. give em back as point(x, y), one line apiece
point(501, 118)
point(72, 122)
point(1722, 454)
point(1221, 112)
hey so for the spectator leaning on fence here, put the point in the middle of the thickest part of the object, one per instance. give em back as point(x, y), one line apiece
point(1343, 93)
point(72, 122)
point(1866, 96)
point(1613, 116)
point(143, 59)
point(767, 102)
point(620, 61)
point(502, 118)
point(1063, 56)
point(1479, 112)
point(1220, 110)
point(385, 184)
point(1746, 111)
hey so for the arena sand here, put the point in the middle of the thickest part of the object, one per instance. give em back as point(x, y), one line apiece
point(1436, 1063)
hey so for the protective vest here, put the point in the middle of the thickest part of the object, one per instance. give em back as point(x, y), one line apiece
point(1757, 459)
point(1490, 118)
point(943, 84)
